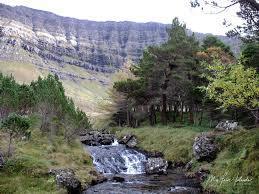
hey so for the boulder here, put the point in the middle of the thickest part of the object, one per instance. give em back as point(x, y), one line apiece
point(118, 179)
point(96, 138)
point(227, 125)
point(99, 178)
point(129, 140)
point(156, 166)
point(1, 160)
point(205, 148)
point(67, 179)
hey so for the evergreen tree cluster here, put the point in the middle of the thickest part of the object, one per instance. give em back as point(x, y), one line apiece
point(172, 83)
point(45, 98)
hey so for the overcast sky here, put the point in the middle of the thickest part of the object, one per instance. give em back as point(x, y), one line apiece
point(134, 10)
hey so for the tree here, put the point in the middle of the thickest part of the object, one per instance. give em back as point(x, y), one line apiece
point(250, 55)
point(165, 76)
point(15, 125)
point(213, 41)
point(234, 86)
point(249, 9)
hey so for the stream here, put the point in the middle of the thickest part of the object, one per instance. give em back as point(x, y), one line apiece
point(128, 164)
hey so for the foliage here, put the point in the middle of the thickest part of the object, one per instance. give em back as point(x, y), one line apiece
point(213, 41)
point(45, 97)
point(15, 125)
point(165, 76)
point(234, 86)
point(250, 55)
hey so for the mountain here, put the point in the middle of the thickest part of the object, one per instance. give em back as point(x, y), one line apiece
point(80, 52)
point(100, 46)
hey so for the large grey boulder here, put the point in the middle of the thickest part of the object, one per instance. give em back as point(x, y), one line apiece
point(67, 179)
point(227, 125)
point(96, 138)
point(156, 166)
point(129, 140)
point(205, 148)
point(1, 160)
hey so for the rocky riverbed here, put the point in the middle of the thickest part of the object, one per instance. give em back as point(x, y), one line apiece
point(130, 170)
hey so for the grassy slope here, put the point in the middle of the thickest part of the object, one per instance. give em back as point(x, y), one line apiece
point(239, 155)
point(175, 143)
point(27, 170)
point(237, 161)
point(87, 94)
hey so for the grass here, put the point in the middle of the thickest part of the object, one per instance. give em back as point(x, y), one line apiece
point(27, 170)
point(236, 168)
point(175, 142)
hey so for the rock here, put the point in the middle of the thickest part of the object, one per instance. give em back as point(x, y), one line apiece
point(1, 160)
point(96, 138)
point(156, 166)
point(129, 140)
point(118, 179)
point(189, 165)
point(99, 178)
point(204, 148)
point(227, 125)
point(202, 174)
point(66, 178)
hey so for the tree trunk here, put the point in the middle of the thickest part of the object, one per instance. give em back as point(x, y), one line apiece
point(201, 117)
point(152, 116)
point(181, 118)
point(191, 119)
point(163, 113)
point(128, 117)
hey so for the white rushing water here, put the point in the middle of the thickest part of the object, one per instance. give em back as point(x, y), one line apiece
point(115, 143)
point(117, 159)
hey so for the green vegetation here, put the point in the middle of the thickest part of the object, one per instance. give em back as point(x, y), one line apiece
point(172, 140)
point(27, 170)
point(39, 124)
point(86, 93)
point(237, 160)
point(236, 168)
point(179, 87)
point(15, 125)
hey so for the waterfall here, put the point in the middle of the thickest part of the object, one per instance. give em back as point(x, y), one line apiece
point(117, 159)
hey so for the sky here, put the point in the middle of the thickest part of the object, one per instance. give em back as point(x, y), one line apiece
point(162, 11)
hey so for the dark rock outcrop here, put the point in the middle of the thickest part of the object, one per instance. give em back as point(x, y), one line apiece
point(227, 125)
point(67, 179)
point(156, 166)
point(118, 179)
point(96, 138)
point(129, 140)
point(99, 178)
point(205, 148)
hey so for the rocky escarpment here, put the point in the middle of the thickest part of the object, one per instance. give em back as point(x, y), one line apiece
point(99, 46)
point(89, 44)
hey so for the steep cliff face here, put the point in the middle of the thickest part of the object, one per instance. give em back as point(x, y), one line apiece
point(99, 46)
point(93, 45)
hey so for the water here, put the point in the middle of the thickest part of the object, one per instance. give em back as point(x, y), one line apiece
point(117, 159)
point(128, 163)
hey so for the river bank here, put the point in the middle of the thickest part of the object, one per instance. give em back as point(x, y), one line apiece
point(237, 156)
